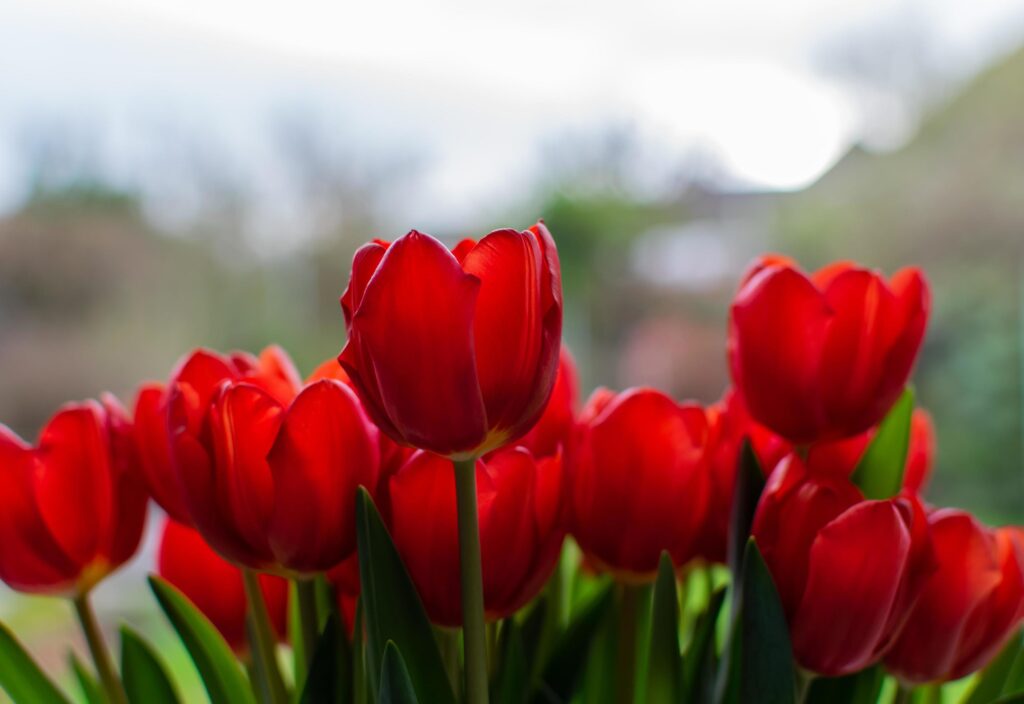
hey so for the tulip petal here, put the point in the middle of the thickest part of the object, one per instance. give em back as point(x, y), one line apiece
point(154, 447)
point(325, 449)
point(131, 499)
point(857, 564)
point(426, 382)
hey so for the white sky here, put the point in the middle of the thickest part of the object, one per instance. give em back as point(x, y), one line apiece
point(472, 87)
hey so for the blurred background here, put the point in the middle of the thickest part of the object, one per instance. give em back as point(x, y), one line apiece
point(176, 173)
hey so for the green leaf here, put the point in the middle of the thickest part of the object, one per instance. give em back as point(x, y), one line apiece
point(330, 673)
point(221, 675)
point(879, 473)
point(701, 658)
point(87, 682)
point(569, 656)
point(395, 685)
point(393, 610)
point(360, 695)
point(145, 679)
point(512, 684)
point(994, 680)
point(664, 674)
point(21, 677)
point(859, 688)
point(749, 485)
point(759, 658)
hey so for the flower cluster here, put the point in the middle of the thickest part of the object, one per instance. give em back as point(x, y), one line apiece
point(455, 406)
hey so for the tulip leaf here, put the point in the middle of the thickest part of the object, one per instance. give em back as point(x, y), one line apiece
point(861, 687)
point(664, 673)
point(21, 677)
point(145, 679)
point(395, 685)
point(749, 485)
point(393, 610)
point(701, 659)
point(998, 677)
point(758, 666)
point(879, 474)
point(87, 682)
point(563, 671)
point(360, 695)
point(329, 678)
point(512, 684)
point(223, 678)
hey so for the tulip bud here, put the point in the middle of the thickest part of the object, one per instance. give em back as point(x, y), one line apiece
point(202, 371)
point(521, 529)
point(215, 586)
point(72, 508)
point(968, 607)
point(639, 481)
point(824, 357)
point(455, 352)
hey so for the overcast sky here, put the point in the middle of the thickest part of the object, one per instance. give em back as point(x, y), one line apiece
point(471, 88)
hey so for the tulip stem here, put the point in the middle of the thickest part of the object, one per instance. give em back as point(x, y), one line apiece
point(309, 621)
point(263, 642)
point(98, 648)
point(474, 634)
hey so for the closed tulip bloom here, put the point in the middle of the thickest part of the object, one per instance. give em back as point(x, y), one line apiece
point(554, 430)
point(72, 508)
point(824, 356)
point(214, 585)
point(968, 607)
point(521, 529)
point(846, 569)
point(639, 481)
point(202, 372)
point(455, 352)
point(272, 486)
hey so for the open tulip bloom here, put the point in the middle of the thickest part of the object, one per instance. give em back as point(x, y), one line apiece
point(431, 517)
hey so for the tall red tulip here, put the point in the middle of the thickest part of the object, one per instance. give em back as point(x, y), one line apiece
point(968, 607)
point(847, 570)
point(202, 372)
point(521, 529)
point(72, 508)
point(270, 485)
point(826, 356)
point(455, 351)
point(639, 481)
point(215, 585)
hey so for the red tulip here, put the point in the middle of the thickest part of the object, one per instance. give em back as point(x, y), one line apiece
point(921, 453)
point(455, 352)
point(639, 481)
point(846, 569)
point(202, 371)
point(553, 431)
point(72, 509)
point(521, 529)
point(214, 585)
point(824, 357)
point(272, 486)
point(344, 579)
point(968, 607)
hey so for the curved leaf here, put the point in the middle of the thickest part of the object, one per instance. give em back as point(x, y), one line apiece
point(145, 679)
point(87, 682)
point(395, 685)
point(21, 677)
point(879, 473)
point(329, 678)
point(664, 674)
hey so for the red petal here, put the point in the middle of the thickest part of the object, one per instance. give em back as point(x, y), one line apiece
point(131, 498)
point(856, 567)
point(552, 431)
point(426, 386)
point(276, 375)
point(325, 449)
point(154, 448)
point(921, 453)
point(330, 369)
point(364, 266)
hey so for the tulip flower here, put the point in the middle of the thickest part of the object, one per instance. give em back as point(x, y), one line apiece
point(521, 529)
point(202, 372)
point(846, 569)
point(455, 352)
point(553, 431)
point(271, 486)
point(824, 357)
point(639, 481)
point(215, 586)
point(968, 608)
point(344, 580)
point(72, 508)
point(921, 453)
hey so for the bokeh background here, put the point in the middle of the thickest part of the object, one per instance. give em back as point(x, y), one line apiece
point(180, 173)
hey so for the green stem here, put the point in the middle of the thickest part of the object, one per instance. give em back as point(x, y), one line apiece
point(263, 642)
point(473, 629)
point(100, 655)
point(448, 643)
point(625, 681)
point(309, 621)
point(804, 680)
point(903, 695)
